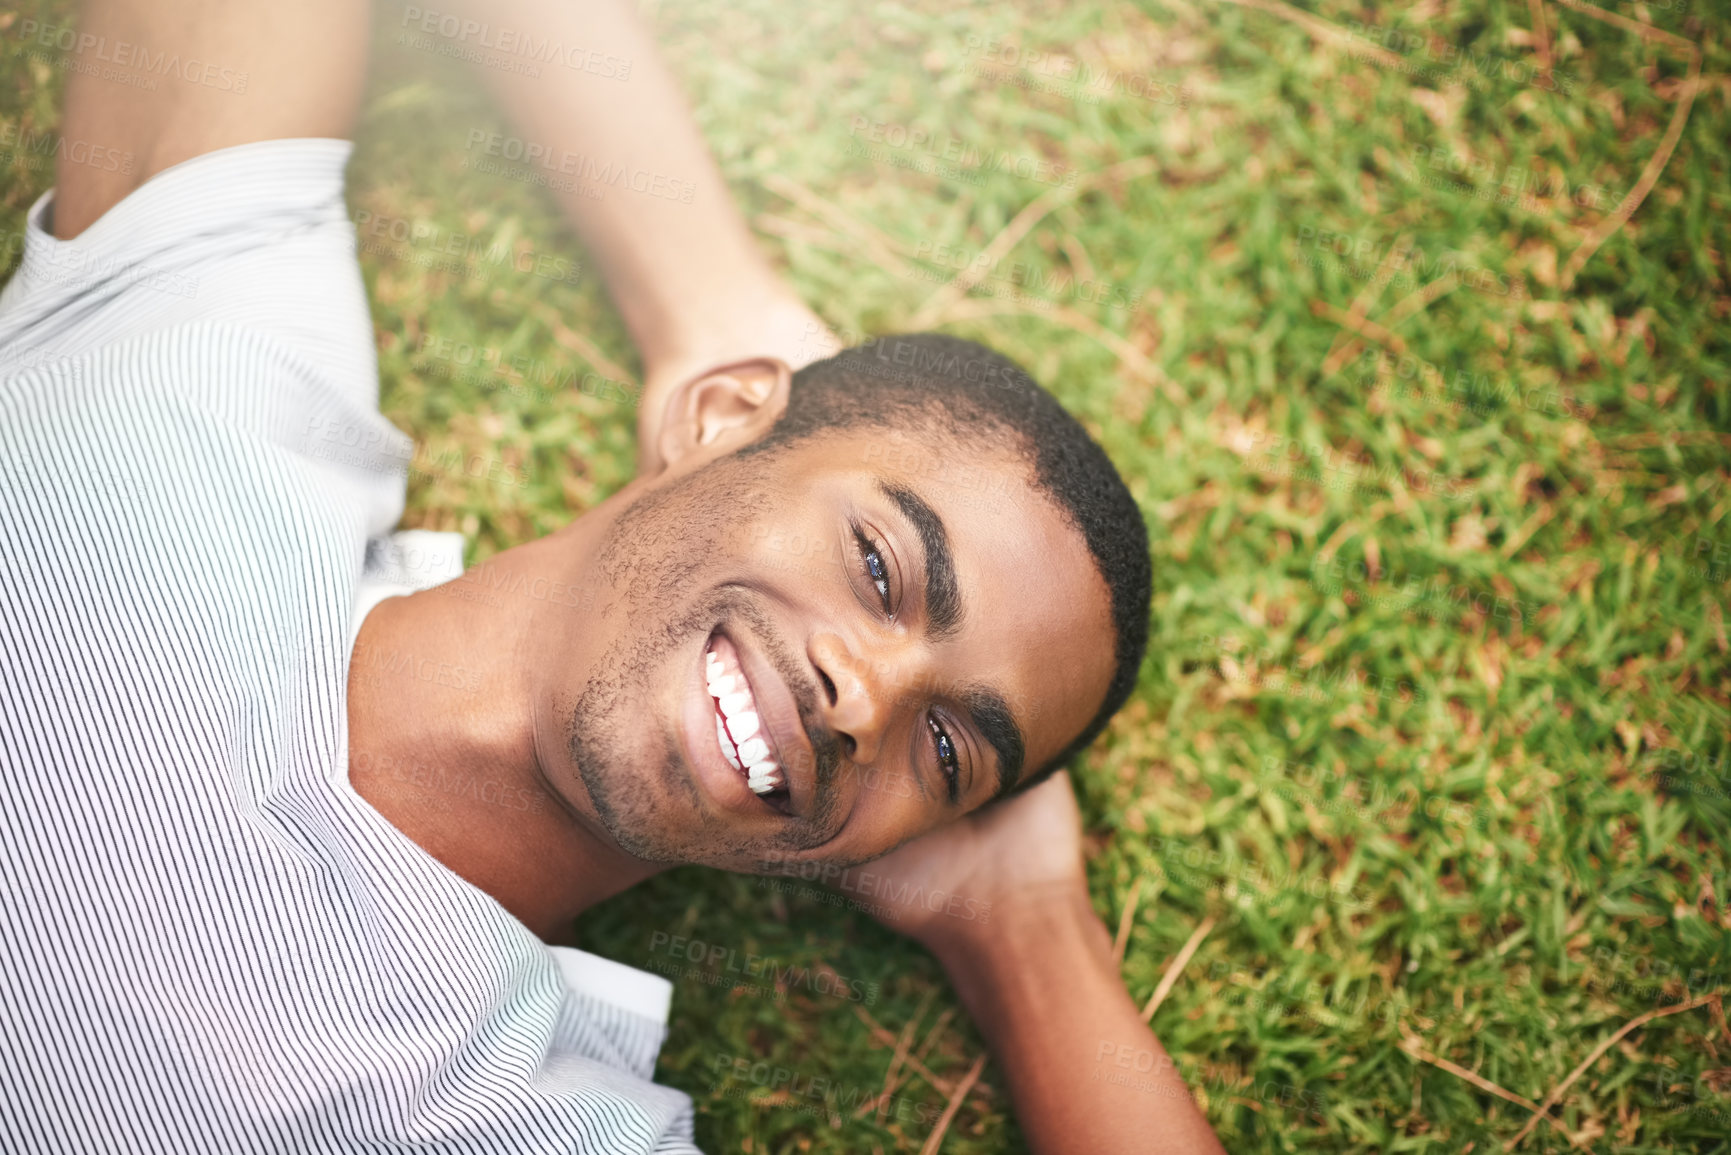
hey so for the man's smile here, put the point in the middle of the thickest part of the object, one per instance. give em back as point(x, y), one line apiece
point(736, 719)
point(754, 737)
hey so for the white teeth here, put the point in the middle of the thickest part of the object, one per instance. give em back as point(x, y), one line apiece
point(742, 726)
point(726, 744)
point(768, 771)
point(765, 776)
point(737, 726)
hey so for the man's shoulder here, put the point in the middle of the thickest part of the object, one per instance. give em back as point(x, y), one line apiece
point(205, 400)
point(165, 523)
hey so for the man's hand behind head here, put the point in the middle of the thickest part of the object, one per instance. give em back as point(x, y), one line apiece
point(1025, 849)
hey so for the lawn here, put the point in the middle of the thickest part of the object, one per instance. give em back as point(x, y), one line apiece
point(1423, 794)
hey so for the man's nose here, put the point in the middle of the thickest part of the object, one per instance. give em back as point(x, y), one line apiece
point(859, 695)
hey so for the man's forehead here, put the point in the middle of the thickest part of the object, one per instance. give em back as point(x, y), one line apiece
point(942, 450)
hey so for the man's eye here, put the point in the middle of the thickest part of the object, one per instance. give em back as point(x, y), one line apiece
point(947, 760)
point(876, 571)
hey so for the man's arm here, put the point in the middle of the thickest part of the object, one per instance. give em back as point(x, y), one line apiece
point(694, 291)
point(1086, 1074)
point(692, 286)
point(304, 68)
point(1038, 976)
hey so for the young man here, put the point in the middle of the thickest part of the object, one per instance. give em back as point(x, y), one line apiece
point(276, 850)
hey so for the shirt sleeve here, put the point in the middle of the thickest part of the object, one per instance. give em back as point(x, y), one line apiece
point(256, 236)
point(622, 1011)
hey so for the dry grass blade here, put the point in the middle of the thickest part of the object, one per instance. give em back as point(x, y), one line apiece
point(1414, 1047)
point(1542, 1111)
point(1421, 299)
point(1672, 437)
point(880, 1102)
point(1176, 968)
point(934, 1034)
point(902, 1044)
point(1324, 31)
point(803, 231)
point(1133, 358)
point(1122, 940)
point(882, 246)
point(936, 1138)
point(1608, 227)
point(1414, 302)
point(884, 1036)
point(1644, 31)
point(1359, 325)
point(1020, 225)
point(1604, 230)
point(1541, 36)
point(1347, 529)
point(892, 1073)
point(1079, 259)
point(583, 346)
point(1527, 528)
point(1360, 306)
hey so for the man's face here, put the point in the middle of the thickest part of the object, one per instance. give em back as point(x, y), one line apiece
point(913, 636)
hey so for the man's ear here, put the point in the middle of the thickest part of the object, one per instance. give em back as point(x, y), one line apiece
point(723, 409)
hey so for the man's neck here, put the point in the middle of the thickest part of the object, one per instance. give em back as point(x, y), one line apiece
point(442, 743)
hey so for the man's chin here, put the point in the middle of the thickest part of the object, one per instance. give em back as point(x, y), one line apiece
point(672, 824)
point(645, 812)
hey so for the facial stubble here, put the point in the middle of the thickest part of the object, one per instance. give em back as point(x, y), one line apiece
point(669, 543)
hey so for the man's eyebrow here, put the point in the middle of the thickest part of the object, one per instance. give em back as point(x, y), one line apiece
point(992, 718)
point(943, 600)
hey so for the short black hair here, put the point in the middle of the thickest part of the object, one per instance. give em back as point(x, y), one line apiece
point(909, 381)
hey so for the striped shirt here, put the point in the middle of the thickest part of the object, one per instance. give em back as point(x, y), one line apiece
point(211, 942)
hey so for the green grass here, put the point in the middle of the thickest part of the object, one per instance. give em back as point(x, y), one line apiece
point(1434, 720)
